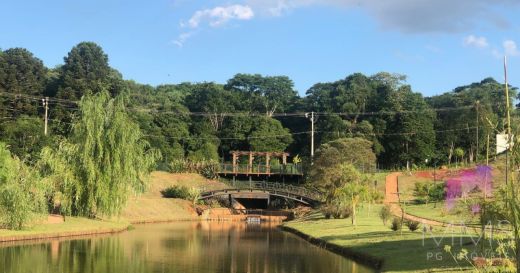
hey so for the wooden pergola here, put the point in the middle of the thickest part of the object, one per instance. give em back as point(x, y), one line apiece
point(251, 155)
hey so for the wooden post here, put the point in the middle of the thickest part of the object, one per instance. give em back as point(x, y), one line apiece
point(250, 167)
point(235, 162)
point(284, 159)
point(268, 163)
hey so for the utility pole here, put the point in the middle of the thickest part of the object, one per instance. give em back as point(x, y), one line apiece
point(312, 134)
point(487, 151)
point(313, 120)
point(45, 102)
point(509, 136)
point(477, 151)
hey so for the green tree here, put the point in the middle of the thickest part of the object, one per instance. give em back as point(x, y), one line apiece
point(268, 135)
point(106, 159)
point(22, 193)
point(162, 118)
point(22, 75)
point(267, 94)
point(326, 174)
point(354, 190)
point(25, 137)
point(472, 115)
point(234, 133)
point(459, 154)
point(206, 151)
point(408, 136)
point(85, 70)
point(213, 101)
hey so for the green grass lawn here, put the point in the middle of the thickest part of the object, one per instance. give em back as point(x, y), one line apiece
point(439, 213)
point(380, 179)
point(406, 252)
point(71, 224)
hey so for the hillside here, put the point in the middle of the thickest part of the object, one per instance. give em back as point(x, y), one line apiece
point(152, 207)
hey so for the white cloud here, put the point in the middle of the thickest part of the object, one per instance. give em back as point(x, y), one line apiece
point(219, 16)
point(183, 37)
point(475, 41)
point(215, 17)
point(510, 48)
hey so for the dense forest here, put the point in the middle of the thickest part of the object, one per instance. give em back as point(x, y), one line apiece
point(204, 121)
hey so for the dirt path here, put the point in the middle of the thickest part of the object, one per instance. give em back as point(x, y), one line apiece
point(392, 199)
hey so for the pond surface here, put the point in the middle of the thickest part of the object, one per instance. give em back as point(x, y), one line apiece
point(183, 247)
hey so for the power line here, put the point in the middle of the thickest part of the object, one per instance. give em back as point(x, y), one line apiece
point(306, 133)
point(68, 105)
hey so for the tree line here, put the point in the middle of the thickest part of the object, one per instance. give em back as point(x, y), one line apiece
point(204, 121)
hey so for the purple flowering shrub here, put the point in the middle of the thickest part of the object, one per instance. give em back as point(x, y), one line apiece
point(469, 182)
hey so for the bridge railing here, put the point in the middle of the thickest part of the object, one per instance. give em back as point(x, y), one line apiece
point(275, 188)
point(288, 169)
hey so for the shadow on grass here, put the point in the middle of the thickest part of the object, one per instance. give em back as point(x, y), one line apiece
point(410, 254)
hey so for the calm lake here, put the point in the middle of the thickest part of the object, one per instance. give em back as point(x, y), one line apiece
point(182, 247)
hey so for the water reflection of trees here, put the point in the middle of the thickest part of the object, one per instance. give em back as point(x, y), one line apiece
point(189, 247)
point(88, 255)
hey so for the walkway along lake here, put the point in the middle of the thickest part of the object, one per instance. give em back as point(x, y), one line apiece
point(180, 247)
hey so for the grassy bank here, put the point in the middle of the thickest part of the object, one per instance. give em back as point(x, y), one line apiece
point(406, 252)
point(152, 207)
point(73, 226)
point(144, 208)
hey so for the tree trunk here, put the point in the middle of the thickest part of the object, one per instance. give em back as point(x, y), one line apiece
point(450, 154)
point(353, 213)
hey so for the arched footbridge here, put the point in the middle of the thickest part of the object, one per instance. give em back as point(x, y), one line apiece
point(299, 194)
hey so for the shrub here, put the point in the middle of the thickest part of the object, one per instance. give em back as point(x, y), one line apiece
point(396, 224)
point(181, 192)
point(412, 225)
point(194, 194)
point(206, 168)
point(346, 212)
point(327, 211)
point(385, 214)
point(429, 192)
point(437, 192)
point(336, 213)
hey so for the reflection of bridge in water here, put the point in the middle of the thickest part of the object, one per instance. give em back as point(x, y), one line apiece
point(264, 190)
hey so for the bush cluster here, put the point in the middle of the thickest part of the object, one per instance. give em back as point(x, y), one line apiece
point(207, 168)
point(385, 214)
point(396, 224)
point(412, 225)
point(336, 211)
point(182, 192)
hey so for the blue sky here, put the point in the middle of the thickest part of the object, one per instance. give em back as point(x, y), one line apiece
point(438, 44)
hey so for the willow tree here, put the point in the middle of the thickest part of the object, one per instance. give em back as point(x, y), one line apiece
point(106, 159)
point(22, 194)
